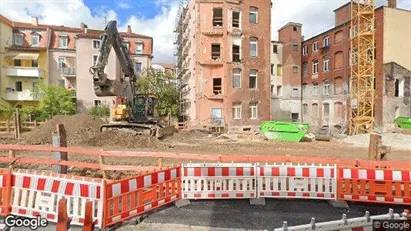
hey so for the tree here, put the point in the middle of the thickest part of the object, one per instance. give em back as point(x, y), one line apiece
point(55, 100)
point(155, 83)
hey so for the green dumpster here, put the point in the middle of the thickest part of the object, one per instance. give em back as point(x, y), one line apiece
point(284, 131)
point(403, 122)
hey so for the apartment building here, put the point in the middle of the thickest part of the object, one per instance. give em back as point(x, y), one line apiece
point(32, 53)
point(24, 61)
point(278, 111)
point(140, 48)
point(325, 61)
point(224, 62)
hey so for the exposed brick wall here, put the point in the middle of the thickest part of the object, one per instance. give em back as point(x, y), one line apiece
point(379, 74)
point(343, 14)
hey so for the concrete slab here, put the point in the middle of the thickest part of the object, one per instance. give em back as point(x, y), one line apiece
point(182, 203)
point(257, 201)
point(339, 204)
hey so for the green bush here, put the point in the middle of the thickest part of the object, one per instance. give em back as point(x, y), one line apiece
point(100, 111)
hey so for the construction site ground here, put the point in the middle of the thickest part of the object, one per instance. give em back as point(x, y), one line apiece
point(83, 131)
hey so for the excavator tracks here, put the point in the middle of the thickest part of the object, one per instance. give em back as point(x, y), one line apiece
point(157, 130)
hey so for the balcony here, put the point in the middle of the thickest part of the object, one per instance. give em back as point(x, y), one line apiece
point(25, 95)
point(26, 72)
point(68, 72)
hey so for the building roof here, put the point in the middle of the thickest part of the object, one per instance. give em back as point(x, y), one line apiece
point(291, 24)
point(342, 6)
point(166, 65)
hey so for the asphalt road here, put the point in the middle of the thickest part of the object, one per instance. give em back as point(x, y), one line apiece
point(239, 214)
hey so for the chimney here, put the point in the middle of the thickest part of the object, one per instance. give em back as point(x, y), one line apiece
point(83, 26)
point(34, 21)
point(128, 29)
point(392, 3)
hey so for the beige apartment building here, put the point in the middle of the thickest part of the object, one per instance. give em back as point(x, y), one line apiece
point(32, 53)
point(223, 62)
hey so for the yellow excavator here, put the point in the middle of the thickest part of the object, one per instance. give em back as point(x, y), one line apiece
point(132, 112)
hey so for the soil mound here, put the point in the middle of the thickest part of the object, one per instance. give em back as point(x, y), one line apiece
point(121, 139)
point(78, 127)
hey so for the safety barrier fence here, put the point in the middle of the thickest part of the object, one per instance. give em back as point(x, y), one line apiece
point(355, 224)
point(114, 201)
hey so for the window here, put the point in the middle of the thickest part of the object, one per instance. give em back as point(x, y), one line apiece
point(253, 112)
point(338, 60)
point(17, 62)
point(353, 59)
point(304, 89)
point(338, 37)
point(62, 83)
point(315, 89)
point(215, 51)
point(295, 92)
point(294, 117)
point(272, 89)
point(295, 69)
point(326, 110)
point(34, 63)
point(305, 50)
point(18, 39)
point(236, 19)
point(338, 111)
point(139, 48)
point(253, 15)
point(279, 69)
point(95, 59)
point(295, 28)
point(253, 47)
point(399, 88)
point(305, 69)
point(19, 86)
point(326, 41)
point(326, 86)
point(138, 67)
point(96, 44)
point(127, 46)
point(236, 53)
point(295, 47)
point(315, 110)
point(272, 69)
point(305, 109)
point(315, 67)
point(237, 111)
point(353, 32)
point(253, 79)
point(35, 40)
point(279, 90)
point(236, 78)
point(97, 103)
point(63, 40)
point(315, 46)
point(218, 17)
point(326, 62)
point(61, 62)
point(275, 48)
point(217, 86)
point(338, 85)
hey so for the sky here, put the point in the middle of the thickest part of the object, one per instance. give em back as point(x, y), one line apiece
point(156, 18)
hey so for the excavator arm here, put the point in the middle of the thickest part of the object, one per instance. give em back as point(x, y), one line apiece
point(124, 86)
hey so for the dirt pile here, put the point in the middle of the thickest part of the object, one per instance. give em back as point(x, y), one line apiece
point(121, 139)
point(78, 127)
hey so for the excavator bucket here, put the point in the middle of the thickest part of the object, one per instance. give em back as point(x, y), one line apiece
point(165, 131)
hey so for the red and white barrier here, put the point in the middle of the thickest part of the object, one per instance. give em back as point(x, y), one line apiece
point(381, 185)
point(37, 194)
point(218, 181)
point(297, 181)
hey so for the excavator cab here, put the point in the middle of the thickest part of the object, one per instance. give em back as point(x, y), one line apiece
point(145, 110)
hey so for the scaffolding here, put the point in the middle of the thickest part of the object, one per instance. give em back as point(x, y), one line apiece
point(180, 54)
point(362, 81)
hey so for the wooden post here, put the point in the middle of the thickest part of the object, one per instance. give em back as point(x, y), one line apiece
point(63, 221)
point(169, 119)
point(17, 124)
point(88, 224)
point(374, 146)
point(160, 162)
point(8, 126)
point(102, 162)
point(60, 140)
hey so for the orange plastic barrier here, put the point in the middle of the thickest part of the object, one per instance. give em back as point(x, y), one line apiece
point(127, 198)
point(5, 191)
point(374, 185)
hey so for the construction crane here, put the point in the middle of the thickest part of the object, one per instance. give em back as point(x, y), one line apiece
point(362, 81)
point(136, 113)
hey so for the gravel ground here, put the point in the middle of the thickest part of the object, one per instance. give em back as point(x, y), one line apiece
point(395, 140)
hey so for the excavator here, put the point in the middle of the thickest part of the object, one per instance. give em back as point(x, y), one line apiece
point(132, 112)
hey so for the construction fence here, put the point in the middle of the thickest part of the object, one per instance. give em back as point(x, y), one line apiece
point(31, 194)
